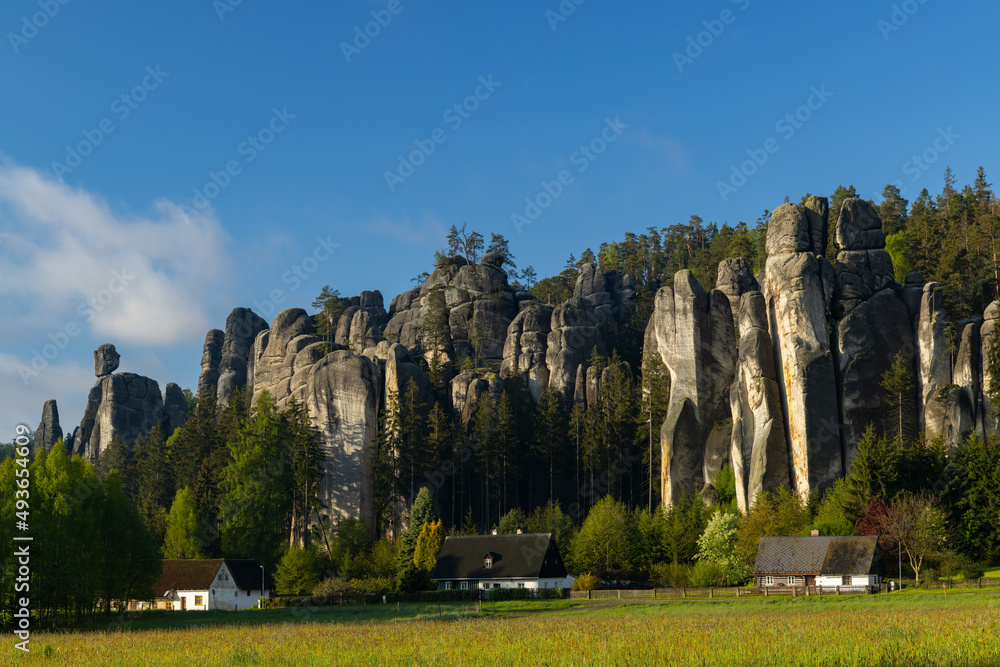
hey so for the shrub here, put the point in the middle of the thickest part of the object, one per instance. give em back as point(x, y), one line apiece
point(503, 594)
point(707, 574)
point(457, 595)
point(551, 593)
point(586, 582)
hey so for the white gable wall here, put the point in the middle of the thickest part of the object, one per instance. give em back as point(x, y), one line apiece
point(222, 594)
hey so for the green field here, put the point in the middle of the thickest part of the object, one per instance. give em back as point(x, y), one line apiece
point(957, 629)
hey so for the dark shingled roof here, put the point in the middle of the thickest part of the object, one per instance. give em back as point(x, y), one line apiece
point(819, 555)
point(197, 574)
point(525, 556)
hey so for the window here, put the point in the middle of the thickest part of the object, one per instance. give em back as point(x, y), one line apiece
point(769, 581)
point(465, 585)
point(197, 600)
point(520, 585)
point(791, 581)
point(447, 585)
point(488, 562)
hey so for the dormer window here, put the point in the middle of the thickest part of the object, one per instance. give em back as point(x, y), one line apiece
point(488, 562)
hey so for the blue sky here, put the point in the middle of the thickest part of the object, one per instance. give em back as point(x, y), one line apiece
point(162, 163)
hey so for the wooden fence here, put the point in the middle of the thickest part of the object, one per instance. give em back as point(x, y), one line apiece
point(773, 591)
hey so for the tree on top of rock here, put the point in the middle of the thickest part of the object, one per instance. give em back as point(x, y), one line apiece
point(467, 244)
point(331, 307)
point(500, 247)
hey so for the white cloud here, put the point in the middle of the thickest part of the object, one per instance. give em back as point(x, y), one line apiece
point(69, 257)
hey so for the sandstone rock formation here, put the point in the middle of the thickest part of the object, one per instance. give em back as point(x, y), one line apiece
point(734, 280)
point(123, 404)
point(211, 357)
point(987, 334)
point(694, 334)
point(526, 346)
point(798, 287)
point(874, 326)
point(105, 360)
point(759, 452)
point(242, 327)
point(934, 356)
point(49, 431)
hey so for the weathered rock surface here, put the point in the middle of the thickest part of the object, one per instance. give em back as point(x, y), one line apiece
point(734, 280)
point(211, 357)
point(950, 415)
point(759, 449)
point(105, 360)
point(242, 327)
point(866, 342)
point(125, 404)
point(933, 354)
point(49, 431)
point(694, 334)
point(874, 325)
point(575, 332)
point(968, 369)
point(175, 406)
point(526, 345)
point(987, 333)
point(797, 288)
point(342, 395)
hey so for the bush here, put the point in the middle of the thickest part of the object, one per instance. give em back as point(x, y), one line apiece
point(669, 575)
point(457, 595)
point(336, 587)
point(707, 574)
point(586, 582)
point(504, 594)
point(551, 593)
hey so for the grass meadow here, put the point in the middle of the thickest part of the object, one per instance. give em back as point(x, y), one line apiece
point(953, 629)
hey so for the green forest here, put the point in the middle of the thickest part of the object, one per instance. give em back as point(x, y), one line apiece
point(241, 480)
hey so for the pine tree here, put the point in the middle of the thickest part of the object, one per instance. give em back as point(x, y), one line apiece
point(898, 383)
point(153, 483)
point(549, 442)
point(423, 511)
point(331, 308)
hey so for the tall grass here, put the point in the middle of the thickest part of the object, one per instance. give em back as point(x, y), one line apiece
point(876, 630)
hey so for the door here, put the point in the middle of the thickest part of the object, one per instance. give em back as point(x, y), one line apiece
point(183, 603)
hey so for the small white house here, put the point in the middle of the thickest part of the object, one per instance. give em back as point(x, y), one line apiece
point(215, 583)
point(524, 560)
point(819, 562)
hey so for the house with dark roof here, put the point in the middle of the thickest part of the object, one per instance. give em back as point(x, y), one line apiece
point(822, 562)
point(211, 583)
point(524, 560)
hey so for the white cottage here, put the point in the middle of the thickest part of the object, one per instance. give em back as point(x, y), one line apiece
point(213, 583)
point(528, 560)
point(819, 562)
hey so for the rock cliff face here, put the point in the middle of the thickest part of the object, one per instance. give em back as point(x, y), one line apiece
point(342, 392)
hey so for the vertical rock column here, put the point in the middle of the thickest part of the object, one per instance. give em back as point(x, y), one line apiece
point(694, 334)
point(873, 326)
point(759, 451)
point(798, 285)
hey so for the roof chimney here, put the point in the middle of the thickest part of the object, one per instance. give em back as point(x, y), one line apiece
point(815, 533)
